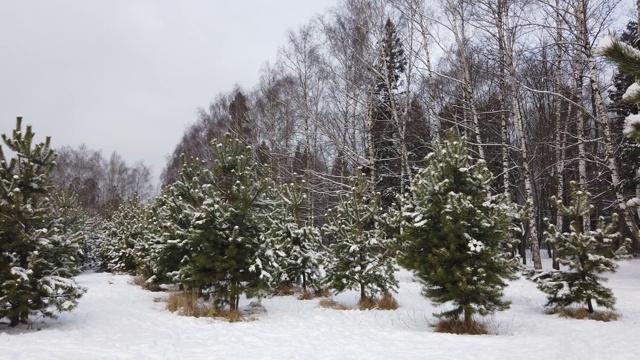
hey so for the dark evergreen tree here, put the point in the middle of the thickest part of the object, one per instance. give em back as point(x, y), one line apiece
point(418, 137)
point(125, 243)
point(291, 248)
point(457, 233)
point(340, 168)
point(224, 240)
point(360, 256)
point(629, 150)
point(79, 230)
point(36, 254)
point(175, 209)
point(385, 112)
point(625, 97)
point(241, 127)
point(585, 253)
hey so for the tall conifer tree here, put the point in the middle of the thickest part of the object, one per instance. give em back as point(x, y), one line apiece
point(385, 112)
point(223, 240)
point(36, 255)
point(456, 233)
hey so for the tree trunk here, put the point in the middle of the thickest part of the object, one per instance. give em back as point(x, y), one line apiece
point(530, 205)
point(559, 137)
point(581, 36)
point(304, 282)
point(467, 86)
point(468, 317)
point(14, 321)
point(522, 249)
point(502, 98)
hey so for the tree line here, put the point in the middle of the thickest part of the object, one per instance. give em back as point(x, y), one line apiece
point(373, 84)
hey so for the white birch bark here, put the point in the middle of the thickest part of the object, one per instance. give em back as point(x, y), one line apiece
point(518, 121)
point(602, 118)
point(468, 96)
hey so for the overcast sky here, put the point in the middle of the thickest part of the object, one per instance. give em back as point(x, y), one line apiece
point(129, 75)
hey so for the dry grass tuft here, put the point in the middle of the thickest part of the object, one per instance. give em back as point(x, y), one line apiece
point(366, 303)
point(582, 313)
point(316, 293)
point(188, 303)
point(306, 295)
point(332, 304)
point(231, 316)
point(143, 282)
point(457, 326)
point(283, 290)
point(322, 292)
point(387, 302)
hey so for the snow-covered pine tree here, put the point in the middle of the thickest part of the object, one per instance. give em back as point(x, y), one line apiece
point(291, 247)
point(35, 274)
point(123, 246)
point(175, 211)
point(585, 253)
point(626, 54)
point(457, 233)
point(226, 230)
point(621, 106)
point(74, 231)
point(360, 255)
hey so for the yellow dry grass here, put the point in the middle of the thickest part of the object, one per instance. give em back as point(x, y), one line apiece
point(188, 303)
point(582, 313)
point(332, 304)
point(142, 282)
point(457, 326)
point(387, 302)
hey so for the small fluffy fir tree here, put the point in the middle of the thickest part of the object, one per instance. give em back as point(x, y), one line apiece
point(84, 229)
point(217, 238)
point(292, 246)
point(37, 256)
point(360, 255)
point(585, 253)
point(456, 233)
point(175, 209)
point(125, 244)
point(72, 249)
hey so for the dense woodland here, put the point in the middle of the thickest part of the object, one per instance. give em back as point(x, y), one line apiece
point(335, 165)
point(373, 84)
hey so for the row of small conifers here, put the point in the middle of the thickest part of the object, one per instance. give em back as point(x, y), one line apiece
point(227, 229)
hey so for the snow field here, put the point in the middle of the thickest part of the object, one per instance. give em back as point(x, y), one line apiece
point(118, 320)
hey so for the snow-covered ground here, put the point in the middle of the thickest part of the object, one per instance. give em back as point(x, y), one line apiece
point(117, 320)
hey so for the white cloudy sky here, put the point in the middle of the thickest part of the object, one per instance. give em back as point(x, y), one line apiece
point(129, 75)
